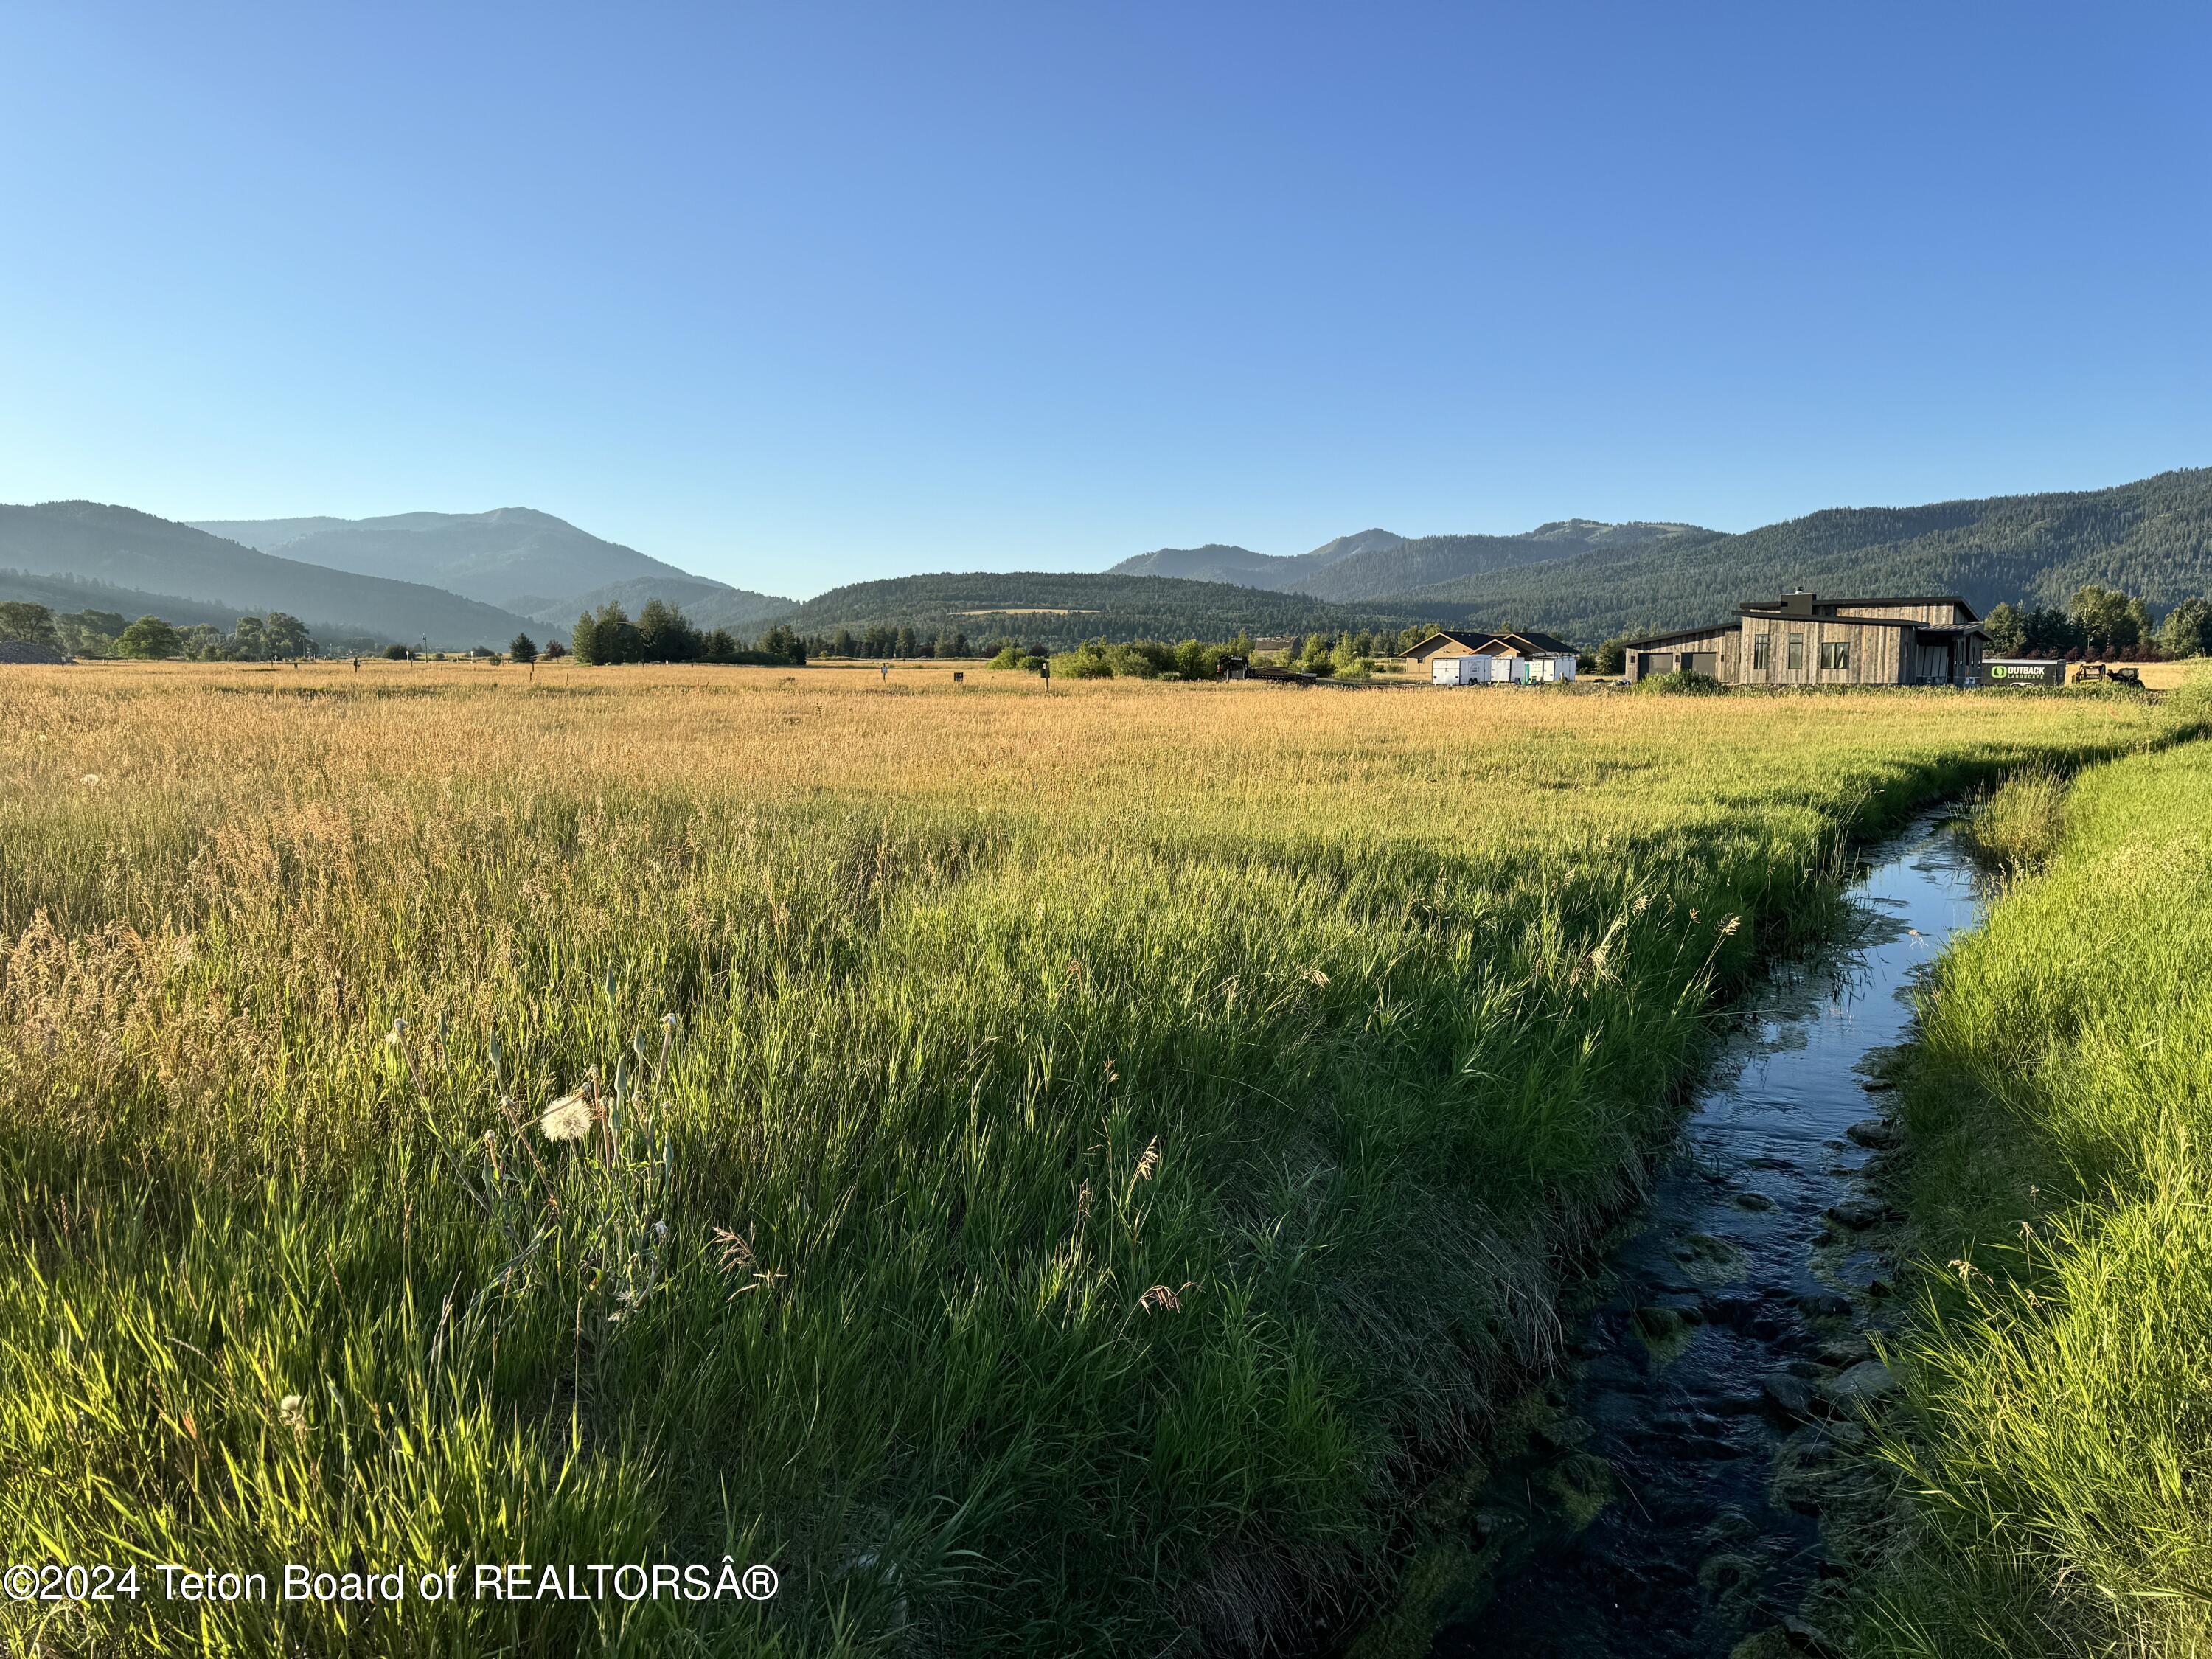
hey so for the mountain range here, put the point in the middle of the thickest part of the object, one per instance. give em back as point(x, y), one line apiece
point(1380, 564)
point(2152, 539)
point(521, 560)
point(457, 580)
point(155, 558)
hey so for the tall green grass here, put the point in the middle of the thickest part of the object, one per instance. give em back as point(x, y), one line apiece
point(2059, 1450)
point(1069, 1217)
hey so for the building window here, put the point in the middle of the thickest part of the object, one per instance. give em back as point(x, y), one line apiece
point(1759, 653)
point(1797, 654)
point(1836, 653)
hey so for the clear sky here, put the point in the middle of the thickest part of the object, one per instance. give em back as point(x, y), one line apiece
point(804, 294)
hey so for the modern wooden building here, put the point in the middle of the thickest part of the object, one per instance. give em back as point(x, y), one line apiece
point(1801, 639)
point(1450, 657)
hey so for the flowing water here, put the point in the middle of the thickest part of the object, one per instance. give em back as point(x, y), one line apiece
point(1670, 1505)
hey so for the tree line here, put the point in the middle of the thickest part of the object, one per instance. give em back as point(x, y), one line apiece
point(905, 642)
point(269, 638)
point(2103, 623)
point(661, 633)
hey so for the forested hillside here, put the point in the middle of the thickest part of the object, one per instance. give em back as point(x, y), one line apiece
point(1374, 564)
point(2153, 538)
point(1373, 574)
point(1061, 609)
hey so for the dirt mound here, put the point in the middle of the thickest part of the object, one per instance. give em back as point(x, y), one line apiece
point(24, 651)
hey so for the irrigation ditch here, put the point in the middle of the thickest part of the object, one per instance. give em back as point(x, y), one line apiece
point(1662, 1496)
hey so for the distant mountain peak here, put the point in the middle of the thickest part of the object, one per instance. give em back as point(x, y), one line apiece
point(1345, 547)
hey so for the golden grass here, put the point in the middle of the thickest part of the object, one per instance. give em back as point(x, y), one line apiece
point(1116, 1134)
point(1397, 760)
point(2171, 676)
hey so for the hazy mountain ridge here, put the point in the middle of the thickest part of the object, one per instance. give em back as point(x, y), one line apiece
point(515, 558)
point(135, 551)
point(1376, 564)
point(64, 595)
point(2152, 538)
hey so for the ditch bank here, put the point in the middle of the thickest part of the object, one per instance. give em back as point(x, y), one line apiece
point(1663, 1495)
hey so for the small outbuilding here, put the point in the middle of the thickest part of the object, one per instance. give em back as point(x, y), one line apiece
point(1515, 658)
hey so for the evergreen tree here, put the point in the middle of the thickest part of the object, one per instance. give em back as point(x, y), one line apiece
point(523, 649)
point(2008, 630)
point(664, 634)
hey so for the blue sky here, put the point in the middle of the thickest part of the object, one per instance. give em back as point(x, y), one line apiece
point(800, 294)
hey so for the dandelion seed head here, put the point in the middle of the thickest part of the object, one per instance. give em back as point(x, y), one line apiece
point(568, 1118)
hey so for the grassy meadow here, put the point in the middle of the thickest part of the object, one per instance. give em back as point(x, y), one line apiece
point(1047, 1171)
point(2059, 1448)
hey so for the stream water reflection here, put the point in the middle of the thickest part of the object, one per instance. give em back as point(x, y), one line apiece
point(1673, 1510)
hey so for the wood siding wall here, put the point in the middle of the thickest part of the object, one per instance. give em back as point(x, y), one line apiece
point(1449, 649)
point(1945, 615)
point(1721, 642)
point(1877, 653)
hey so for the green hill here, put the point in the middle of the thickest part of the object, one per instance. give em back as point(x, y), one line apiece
point(85, 540)
point(2152, 539)
point(1063, 609)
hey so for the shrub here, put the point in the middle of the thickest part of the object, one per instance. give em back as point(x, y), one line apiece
point(1680, 684)
point(1086, 662)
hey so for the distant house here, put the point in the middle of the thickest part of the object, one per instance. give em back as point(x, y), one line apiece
point(1456, 658)
point(1801, 639)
